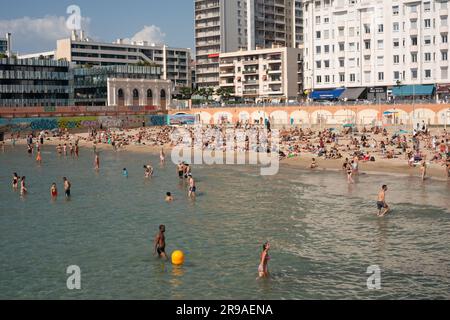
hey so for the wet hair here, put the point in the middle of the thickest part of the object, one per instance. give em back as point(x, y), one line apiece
point(265, 245)
point(384, 186)
point(23, 178)
point(162, 227)
point(124, 169)
point(15, 174)
point(168, 194)
point(64, 178)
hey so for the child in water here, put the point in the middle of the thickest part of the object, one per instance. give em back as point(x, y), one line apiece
point(125, 172)
point(169, 197)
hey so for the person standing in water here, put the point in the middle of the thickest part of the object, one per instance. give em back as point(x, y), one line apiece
point(67, 186)
point(53, 191)
point(350, 174)
point(23, 188)
point(423, 170)
point(160, 243)
point(97, 161)
point(39, 157)
point(180, 170)
point(192, 187)
point(382, 206)
point(162, 156)
point(169, 197)
point(15, 181)
point(263, 269)
point(125, 172)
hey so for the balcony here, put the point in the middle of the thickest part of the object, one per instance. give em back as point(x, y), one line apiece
point(271, 71)
point(227, 84)
point(252, 71)
point(443, 29)
point(443, 46)
point(413, 32)
point(413, 16)
point(414, 48)
point(443, 12)
point(250, 62)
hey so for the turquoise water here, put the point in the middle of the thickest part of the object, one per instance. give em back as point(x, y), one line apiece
point(324, 233)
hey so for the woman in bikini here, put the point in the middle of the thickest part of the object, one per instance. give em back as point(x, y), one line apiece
point(15, 181)
point(53, 191)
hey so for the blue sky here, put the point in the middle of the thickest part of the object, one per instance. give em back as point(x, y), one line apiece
point(37, 24)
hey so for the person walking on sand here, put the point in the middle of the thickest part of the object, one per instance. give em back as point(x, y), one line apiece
point(160, 243)
point(382, 206)
point(263, 268)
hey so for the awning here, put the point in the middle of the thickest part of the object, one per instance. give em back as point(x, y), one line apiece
point(352, 93)
point(443, 88)
point(413, 90)
point(326, 94)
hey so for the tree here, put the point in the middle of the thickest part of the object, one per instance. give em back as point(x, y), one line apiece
point(202, 93)
point(186, 93)
point(224, 93)
point(3, 56)
point(146, 64)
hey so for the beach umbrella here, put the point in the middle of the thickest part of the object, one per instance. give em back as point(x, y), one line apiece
point(349, 125)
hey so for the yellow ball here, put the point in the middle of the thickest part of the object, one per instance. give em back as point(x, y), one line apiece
point(178, 258)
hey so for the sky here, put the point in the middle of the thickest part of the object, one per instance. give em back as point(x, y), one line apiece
point(37, 24)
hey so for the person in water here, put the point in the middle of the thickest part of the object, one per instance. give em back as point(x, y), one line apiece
point(53, 190)
point(125, 172)
point(160, 243)
point(423, 170)
point(39, 157)
point(263, 269)
point(23, 188)
point(162, 156)
point(382, 206)
point(15, 181)
point(67, 186)
point(180, 170)
point(97, 162)
point(192, 187)
point(314, 164)
point(350, 174)
point(169, 197)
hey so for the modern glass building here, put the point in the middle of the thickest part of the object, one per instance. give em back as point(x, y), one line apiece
point(90, 85)
point(34, 83)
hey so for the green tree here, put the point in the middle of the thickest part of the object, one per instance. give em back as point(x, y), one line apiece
point(186, 93)
point(224, 93)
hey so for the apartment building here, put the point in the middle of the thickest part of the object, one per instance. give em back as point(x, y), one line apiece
point(229, 25)
point(174, 62)
point(32, 83)
point(5, 45)
point(263, 74)
point(386, 48)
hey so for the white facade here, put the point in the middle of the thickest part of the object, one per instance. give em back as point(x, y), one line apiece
point(371, 43)
point(175, 62)
point(139, 92)
point(229, 25)
point(263, 74)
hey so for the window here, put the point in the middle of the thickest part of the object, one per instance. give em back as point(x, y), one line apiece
point(396, 43)
point(444, 55)
point(427, 40)
point(327, 63)
point(352, 62)
point(318, 49)
point(396, 59)
point(427, 74)
point(318, 64)
point(326, 20)
point(396, 75)
point(367, 28)
point(341, 63)
point(318, 34)
point(428, 56)
point(341, 46)
point(380, 28)
point(326, 48)
point(367, 44)
point(414, 41)
point(351, 32)
point(444, 38)
point(342, 77)
point(427, 23)
point(351, 46)
point(414, 57)
point(427, 6)
point(380, 60)
point(395, 10)
point(352, 77)
point(396, 27)
point(380, 44)
point(380, 76)
point(341, 31)
point(327, 79)
point(326, 34)
point(318, 20)
point(413, 73)
point(444, 73)
point(319, 79)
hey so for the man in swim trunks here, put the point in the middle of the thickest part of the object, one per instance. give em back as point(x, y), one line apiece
point(382, 206)
point(160, 243)
point(67, 186)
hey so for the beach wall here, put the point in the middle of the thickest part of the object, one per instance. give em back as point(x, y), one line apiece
point(84, 122)
point(370, 114)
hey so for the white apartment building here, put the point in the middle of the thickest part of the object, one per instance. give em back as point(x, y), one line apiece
point(229, 25)
point(175, 62)
point(379, 45)
point(264, 74)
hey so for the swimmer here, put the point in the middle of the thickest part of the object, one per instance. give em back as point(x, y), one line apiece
point(263, 269)
point(162, 156)
point(65, 149)
point(23, 188)
point(314, 164)
point(192, 187)
point(382, 206)
point(423, 170)
point(59, 149)
point(53, 190)
point(160, 243)
point(125, 172)
point(148, 171)
point(15, 181)
point(169, 197)
point(67, 186)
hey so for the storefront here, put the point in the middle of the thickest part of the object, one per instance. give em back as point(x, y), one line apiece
point(420, 92)
point(377, 94)
point(327, 95)
point(354, 94)
point(443, 93)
